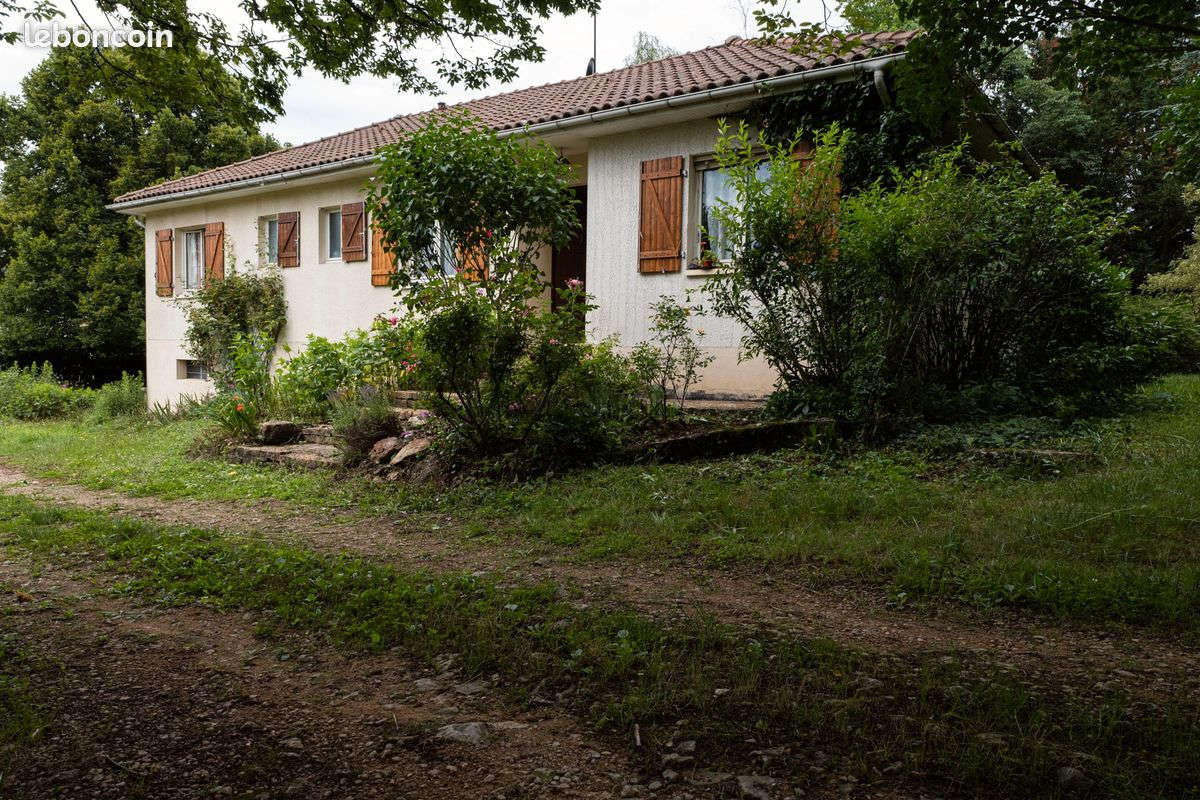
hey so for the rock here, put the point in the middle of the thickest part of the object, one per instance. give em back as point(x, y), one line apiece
point(868, 684)
point(464, 732)
point(755, 787)
point(278, 431)
point(383, 450)
point(631, 790)
point(707, 778)
point(670, 775)
point(293, 744)
point(426, 685)
point(472, 687)
point(413, 448)
point(1073, 779)
point(687, 747)
point(510, 725)
point(676, 759)
point(300, 455)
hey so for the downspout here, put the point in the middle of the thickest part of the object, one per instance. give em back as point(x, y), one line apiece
point(881, 87)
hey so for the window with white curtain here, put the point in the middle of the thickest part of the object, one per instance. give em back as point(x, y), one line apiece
point(193, 259)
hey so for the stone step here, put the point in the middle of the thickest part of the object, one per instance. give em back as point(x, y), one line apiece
point(317, 434)
point(406, 399)
point(305, 455)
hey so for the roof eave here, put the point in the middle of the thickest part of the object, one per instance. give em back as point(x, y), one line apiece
point(714, 95)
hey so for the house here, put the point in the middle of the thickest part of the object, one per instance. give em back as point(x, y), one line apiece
point(640, 138)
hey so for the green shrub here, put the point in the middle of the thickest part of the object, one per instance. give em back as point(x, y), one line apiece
point(599, 403)
point(961, 291)
point(384, 357)
point(121, 399)
point(360, 418)
point(34, 393)
point(246, 395)
point(1182, 281)
point(672, 361)
point(466, 213)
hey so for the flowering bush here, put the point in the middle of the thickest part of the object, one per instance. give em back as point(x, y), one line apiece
point(247, 393)
point(238, 416)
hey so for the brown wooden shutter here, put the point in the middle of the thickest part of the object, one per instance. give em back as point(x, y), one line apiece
point(383, 263)
point(354, 232)
point(164, 267)
point(287, 232)
point(473, 263)
point(660, 239)
point(214, 251)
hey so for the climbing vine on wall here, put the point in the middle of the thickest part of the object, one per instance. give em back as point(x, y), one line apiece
point(248, 301)
point(924, 96)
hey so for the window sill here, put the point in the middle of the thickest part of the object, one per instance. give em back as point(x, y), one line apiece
point(696, 271)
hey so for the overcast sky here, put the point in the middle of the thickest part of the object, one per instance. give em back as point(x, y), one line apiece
point(315, 106)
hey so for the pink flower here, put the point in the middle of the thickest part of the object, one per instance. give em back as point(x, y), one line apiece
point(481, 292)
point(394, 321)
point(241, 407)
point(514, 407)
point(554, 341)
point(574, 283)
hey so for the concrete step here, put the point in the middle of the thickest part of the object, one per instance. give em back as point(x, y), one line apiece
point(305, 455)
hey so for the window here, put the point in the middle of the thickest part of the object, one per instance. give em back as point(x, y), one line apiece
point(193, 259)
point(446, 256)
point(270, 239)
point(333, 234)
point(191, 370)
point(716, 188)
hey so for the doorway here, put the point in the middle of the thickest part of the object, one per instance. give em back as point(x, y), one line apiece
point(570, 262)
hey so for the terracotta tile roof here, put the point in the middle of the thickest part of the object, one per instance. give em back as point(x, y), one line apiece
point(735, 61)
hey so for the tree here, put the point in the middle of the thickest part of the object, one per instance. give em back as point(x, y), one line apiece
point(464, 213)
point(1102, 135)
point(1100, 35)
point(338, 38)
point(71, 272)
point(648, 47)
point(870, 16)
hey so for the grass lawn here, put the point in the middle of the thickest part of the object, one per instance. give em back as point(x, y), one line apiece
point(942, 723)
point(1116, 538)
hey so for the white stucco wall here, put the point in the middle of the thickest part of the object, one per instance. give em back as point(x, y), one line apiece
point(327, 298)
point(332, 298)
point(623, 295)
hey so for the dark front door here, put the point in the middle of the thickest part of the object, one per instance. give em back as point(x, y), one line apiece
point(570, 263)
